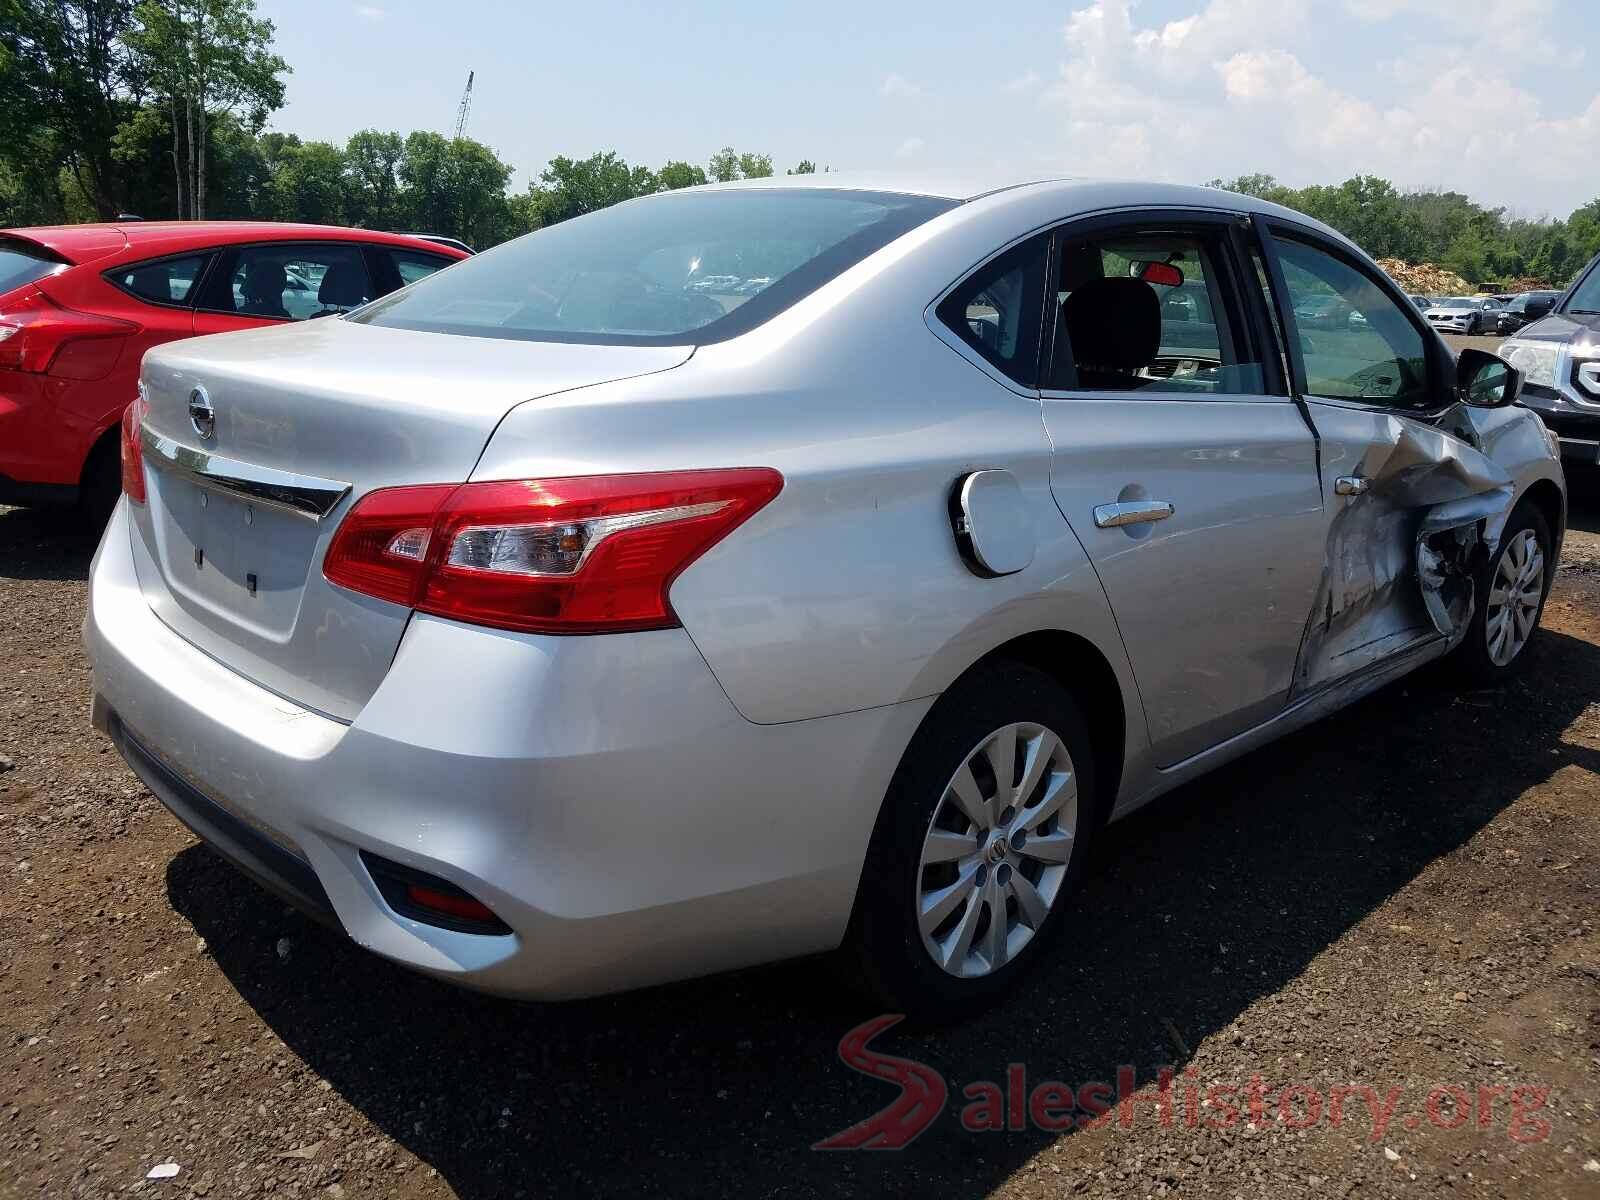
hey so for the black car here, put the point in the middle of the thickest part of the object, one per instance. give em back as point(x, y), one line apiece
point(1559, 356)
point(1520, 310)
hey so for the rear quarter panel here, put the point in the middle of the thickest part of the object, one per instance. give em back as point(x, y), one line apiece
point(847, 592)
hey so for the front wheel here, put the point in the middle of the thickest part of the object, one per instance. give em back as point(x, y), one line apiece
point(1510, 598)
point(980, 841)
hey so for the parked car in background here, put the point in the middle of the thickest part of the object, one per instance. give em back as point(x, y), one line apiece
point(1323, 311)
point(1520, 310)
point(1559, 356)
point(559, 624)
point(1464, 314)
point(1423, 303)
point(80, 305)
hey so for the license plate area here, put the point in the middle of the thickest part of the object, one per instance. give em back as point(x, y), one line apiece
point(239, 562)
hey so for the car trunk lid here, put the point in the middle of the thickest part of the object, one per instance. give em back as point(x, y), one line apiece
point(304, 420)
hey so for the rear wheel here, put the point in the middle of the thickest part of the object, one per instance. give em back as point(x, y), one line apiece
point(101, 485)
point(1510, 598)
point(980, 842)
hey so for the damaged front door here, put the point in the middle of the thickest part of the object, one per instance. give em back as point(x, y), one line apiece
point(1412, 506)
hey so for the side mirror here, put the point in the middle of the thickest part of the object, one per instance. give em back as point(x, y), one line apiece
point(1486, 380)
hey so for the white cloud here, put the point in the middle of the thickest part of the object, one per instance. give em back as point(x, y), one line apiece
point(910, 148)
point(895, 84)
point(368, 12)
point(1240, 86)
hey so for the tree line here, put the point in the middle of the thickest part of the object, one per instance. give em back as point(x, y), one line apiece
point(1480, 244)
point(159, 108)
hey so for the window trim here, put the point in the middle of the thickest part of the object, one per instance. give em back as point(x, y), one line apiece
point(1243, 315)
point(234, 249)
point(185, 305)
point(1440, 361)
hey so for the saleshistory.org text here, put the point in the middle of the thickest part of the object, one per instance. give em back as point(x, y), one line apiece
point(1015, 1104)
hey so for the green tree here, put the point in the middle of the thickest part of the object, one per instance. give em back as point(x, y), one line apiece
point(679, 175)
point(571, 187)
point(806, 167)
point(210, 59)
point(456, 187)
point(66, 82)
point(372, 167)
point(724, 165)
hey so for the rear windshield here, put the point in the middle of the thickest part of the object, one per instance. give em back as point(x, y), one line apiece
point(21, 263)
point(673, 269)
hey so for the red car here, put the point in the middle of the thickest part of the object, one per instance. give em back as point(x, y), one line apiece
point(80, 304)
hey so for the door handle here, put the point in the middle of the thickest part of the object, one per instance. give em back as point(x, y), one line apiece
point(1131, 512)
point(1351, 485)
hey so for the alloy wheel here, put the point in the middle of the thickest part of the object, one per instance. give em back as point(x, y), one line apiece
point(995, 854)
point(1514, 595)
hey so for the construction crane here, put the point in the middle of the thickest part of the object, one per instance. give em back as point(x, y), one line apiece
point(464, 108)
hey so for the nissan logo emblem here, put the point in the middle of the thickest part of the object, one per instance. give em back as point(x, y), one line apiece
point(201, 415)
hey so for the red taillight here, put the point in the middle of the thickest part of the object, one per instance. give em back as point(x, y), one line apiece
point(584, 554)
point(39, 336)
point(133, 450)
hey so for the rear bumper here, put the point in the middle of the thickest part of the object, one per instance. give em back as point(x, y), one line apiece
point(600, 794)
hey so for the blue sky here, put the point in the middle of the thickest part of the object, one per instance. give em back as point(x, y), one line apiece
point(1500, 101)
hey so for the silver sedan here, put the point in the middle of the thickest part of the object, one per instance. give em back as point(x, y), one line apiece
point(802, 565)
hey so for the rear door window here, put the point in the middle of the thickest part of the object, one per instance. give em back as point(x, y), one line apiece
point(1151, 312)
point(170, 281)
point(412, 265)
point(291, 282)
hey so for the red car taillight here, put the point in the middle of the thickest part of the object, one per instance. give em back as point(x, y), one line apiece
point(40, 337)
point(584, 554)
point(132, 450)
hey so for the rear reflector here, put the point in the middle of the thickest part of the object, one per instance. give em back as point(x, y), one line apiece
point(39, 336)
point(133, 449)
point(583, 554)
point(429, 899)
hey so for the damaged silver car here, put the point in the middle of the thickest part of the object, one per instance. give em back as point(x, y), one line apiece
point(802, 564)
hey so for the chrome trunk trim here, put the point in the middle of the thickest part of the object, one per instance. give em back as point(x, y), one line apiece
point(305, 495)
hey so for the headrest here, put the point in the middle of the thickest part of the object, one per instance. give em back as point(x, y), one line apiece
point(343, 284)
point(265, 280)
point(1113, 324)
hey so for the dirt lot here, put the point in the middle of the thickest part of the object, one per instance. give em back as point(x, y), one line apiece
point(1401, 897)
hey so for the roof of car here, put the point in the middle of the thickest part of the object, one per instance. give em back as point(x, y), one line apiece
point(973, 184)
point(84, 243)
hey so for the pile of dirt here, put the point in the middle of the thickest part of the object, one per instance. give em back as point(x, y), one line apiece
point(1530, 283)
point(1429, 279)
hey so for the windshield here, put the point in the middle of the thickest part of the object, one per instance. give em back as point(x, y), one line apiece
point(1458, 302)
point(692, 267)
point(1586, 296)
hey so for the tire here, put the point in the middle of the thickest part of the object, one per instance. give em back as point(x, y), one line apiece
point(922, 813)
point(1482, 658)
point(101, 485)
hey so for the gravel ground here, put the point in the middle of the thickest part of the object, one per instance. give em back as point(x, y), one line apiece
point(1401, 897)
